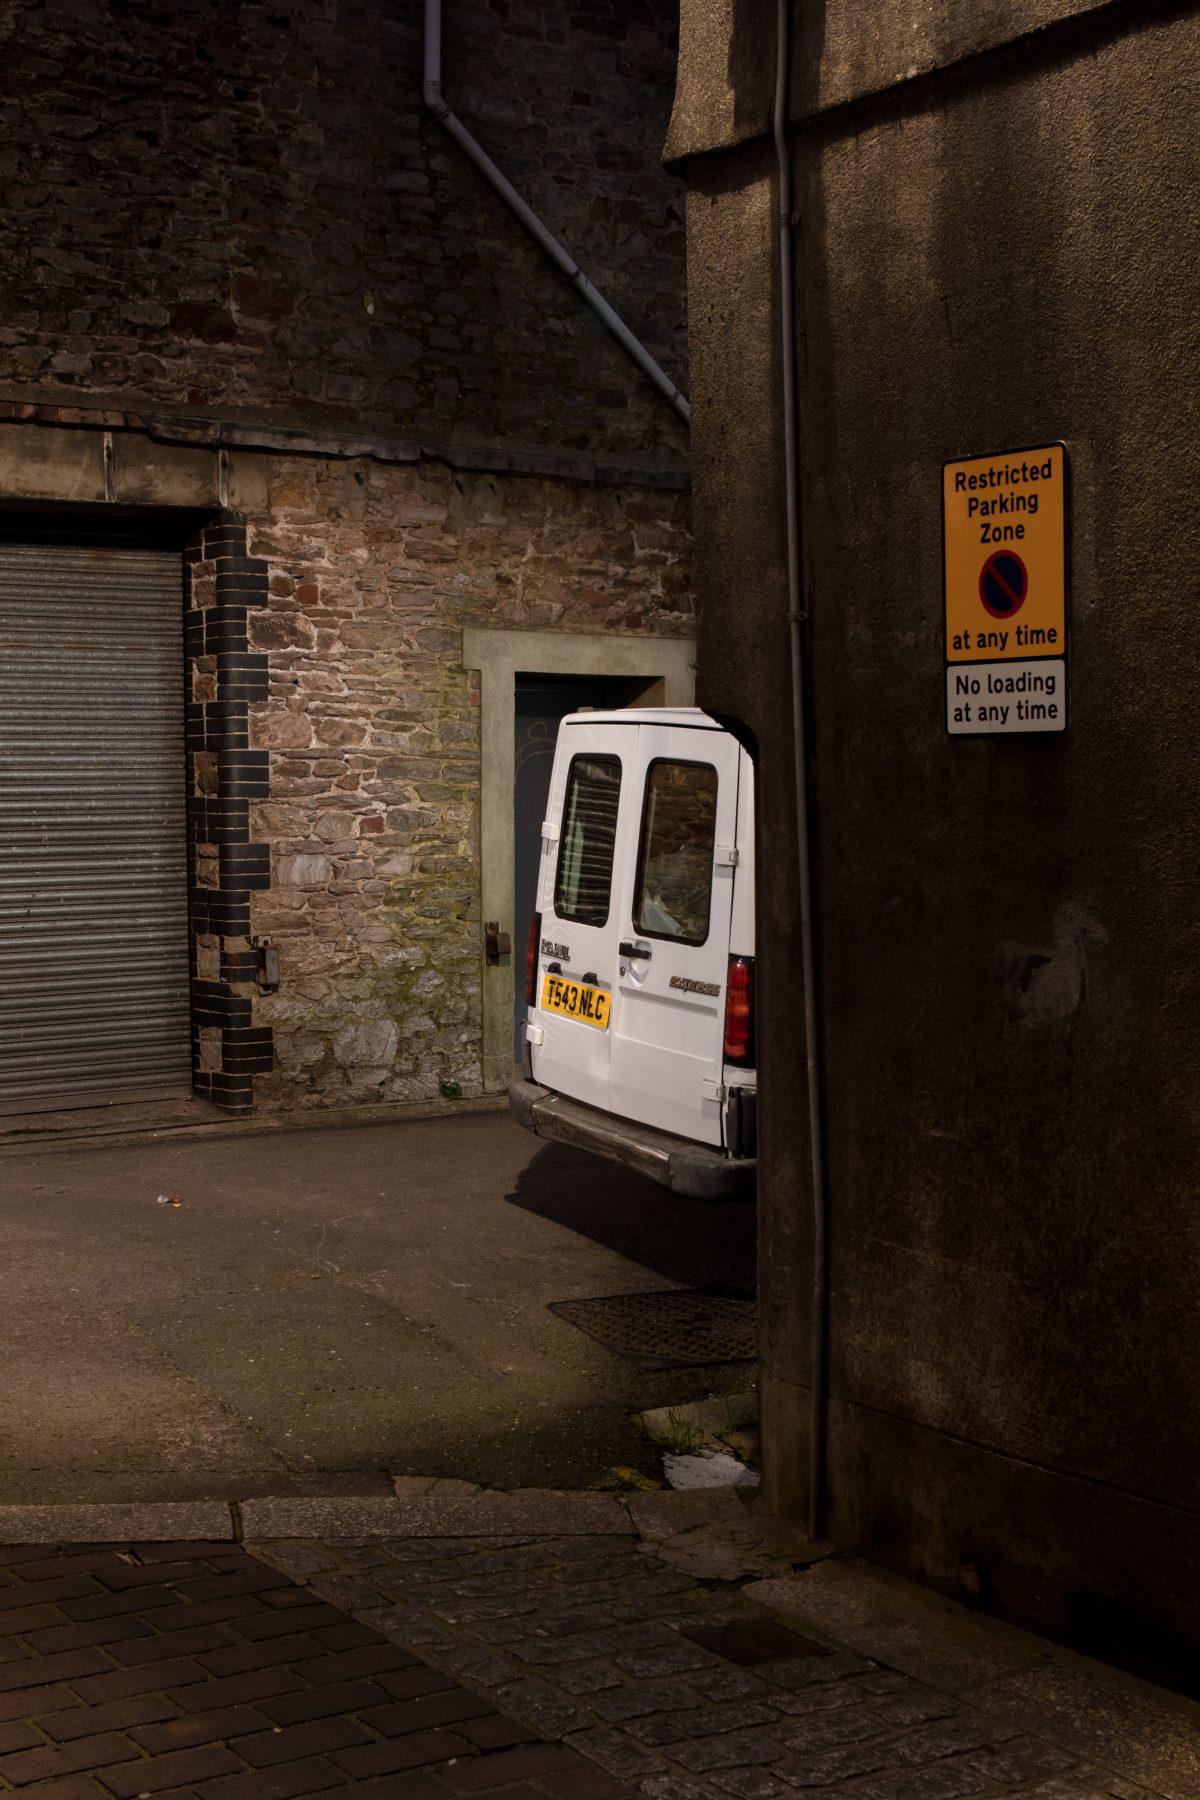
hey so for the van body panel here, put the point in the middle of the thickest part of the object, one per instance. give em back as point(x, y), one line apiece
point(666, 1057)
point(741, 924)
point(589, 804)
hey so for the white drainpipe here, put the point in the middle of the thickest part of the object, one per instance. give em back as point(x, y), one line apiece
point(432, 89)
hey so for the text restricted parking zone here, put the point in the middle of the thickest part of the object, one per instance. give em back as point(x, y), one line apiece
point(1004, 536)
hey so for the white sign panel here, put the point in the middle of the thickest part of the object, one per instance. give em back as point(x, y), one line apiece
point(1006, 696)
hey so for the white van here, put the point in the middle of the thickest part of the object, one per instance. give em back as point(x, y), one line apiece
point(639, 983)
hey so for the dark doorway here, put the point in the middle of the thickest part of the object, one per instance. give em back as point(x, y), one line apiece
point(541, 702)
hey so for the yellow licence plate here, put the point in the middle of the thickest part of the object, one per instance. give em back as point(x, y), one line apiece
point(590, 1005)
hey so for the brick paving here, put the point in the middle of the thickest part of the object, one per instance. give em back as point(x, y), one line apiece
point(583, 1640)
point(196, 1670)
point(533, 1666)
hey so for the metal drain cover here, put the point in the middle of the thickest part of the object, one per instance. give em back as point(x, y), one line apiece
point(756, 1641)
point(676, 1329)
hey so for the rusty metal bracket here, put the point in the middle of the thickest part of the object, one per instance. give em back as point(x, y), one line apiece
point(497, 944)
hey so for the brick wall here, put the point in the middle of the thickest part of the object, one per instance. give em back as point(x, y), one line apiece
point(371, 730)
point(226, 777)
point(244, 210)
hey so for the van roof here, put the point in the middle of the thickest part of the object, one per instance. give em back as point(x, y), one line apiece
point(692, 716)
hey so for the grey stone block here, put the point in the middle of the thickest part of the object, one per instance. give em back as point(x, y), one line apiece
point(299, 1560)
point(722, 1686)
point(1140, 1732)
point(665, 1515)
point(942, 1781)
point(585, 1646)
point(589, 1678)
point(850, 1725)
point(615, 1754)
point(156, 1522)
point(1022, 1762)
point(248, 491)
point(480, 1667)
point(735, 1750)
point(40, 463)
point(411, 1628)
point(345, 1591)
point(163, 474)
point(673, 1787)
point(703, 1722)
point(536, 1703)
point(410, 1487)
point(637, 1700)
point(750, 1784)
point(533, 1512)
point(671, 1659)
point(839, 1762)
point(905, 1626)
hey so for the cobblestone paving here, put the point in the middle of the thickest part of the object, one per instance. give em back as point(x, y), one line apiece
point(582, 1639)
point(173, 1670)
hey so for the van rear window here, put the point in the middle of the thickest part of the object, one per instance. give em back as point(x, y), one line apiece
point(674, 879)
point(583, 885)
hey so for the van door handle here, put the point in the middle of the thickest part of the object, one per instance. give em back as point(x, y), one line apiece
point(633, 950)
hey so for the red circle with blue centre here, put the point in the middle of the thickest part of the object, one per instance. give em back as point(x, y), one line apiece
point(1003, 584)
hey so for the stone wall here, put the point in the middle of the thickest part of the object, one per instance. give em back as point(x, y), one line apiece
point(245, 210)
point(234, 234)
point(372, 731)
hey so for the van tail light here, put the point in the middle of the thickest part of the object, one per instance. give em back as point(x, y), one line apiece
point(531, 959)
point(739, 1012)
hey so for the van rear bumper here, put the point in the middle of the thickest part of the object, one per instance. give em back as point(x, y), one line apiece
point(674, 1162)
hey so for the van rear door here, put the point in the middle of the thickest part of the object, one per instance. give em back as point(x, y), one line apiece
point(584, 866)
point(675, 901)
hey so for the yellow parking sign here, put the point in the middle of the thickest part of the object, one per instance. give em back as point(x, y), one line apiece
point(1004, 526)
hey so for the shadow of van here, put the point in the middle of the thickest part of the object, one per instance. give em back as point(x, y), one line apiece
point(711, 1248)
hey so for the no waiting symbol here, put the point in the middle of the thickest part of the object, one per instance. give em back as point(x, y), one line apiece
point(1003, 584)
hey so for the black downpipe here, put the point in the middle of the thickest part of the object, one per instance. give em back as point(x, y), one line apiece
point(819, 1419)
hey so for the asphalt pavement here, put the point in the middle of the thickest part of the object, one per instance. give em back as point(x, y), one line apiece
point(318, 1310)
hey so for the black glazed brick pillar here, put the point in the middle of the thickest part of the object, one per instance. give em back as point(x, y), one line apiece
point(224, 677)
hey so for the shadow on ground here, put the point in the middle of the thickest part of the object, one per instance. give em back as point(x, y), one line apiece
point(688, 1242)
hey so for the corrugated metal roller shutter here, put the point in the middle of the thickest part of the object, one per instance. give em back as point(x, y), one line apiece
point(93, 836)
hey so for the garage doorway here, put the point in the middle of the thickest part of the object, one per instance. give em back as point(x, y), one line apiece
point(94, 976)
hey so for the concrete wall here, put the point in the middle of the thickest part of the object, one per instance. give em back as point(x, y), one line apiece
point(998, 246)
